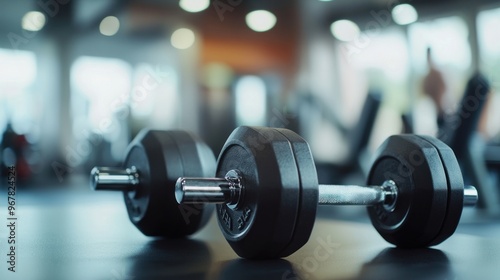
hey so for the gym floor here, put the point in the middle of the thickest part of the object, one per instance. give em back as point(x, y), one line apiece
point(70, 232)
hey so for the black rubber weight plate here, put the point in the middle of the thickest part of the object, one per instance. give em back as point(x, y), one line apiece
point(455, 189)
point(308, 191)
point(137, 202)
point(414, 164)
point(262, 225)
point(160, 160)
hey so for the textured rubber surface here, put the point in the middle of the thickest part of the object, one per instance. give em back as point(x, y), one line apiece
point(161, 157)
point(262, 226)
point(421, 207)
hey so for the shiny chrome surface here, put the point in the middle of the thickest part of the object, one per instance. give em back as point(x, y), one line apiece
point(470, 196)
point(350, 195)
point(358, 195)
point(114, 179)
point(209, 190)
point(229, 190)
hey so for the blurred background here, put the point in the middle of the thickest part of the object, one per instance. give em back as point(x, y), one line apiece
point(79, 79)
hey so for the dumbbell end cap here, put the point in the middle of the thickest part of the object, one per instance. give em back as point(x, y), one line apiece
point(94, 178)
point(470, 196)
point(179, 193)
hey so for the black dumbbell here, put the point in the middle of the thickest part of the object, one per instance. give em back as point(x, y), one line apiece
point(267, 192)
point(153, 162)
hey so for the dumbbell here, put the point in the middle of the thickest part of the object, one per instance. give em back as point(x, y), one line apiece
point(153, 162)
point(267, 192)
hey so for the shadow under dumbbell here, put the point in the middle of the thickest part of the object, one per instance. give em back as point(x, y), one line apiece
point(171, 259)
point(395, 263)
point(253, 269)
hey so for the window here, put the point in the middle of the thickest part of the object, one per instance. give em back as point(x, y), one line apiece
point(448, 40)
point(451, 53)
point(99, 101)
point(100, 88)
point(378, 59)
point(108, 92)
point(18, 101)
point(488, 32)
point(154, 96)
point(250, 101)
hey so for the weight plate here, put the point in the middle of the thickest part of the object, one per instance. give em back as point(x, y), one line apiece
point(455, 189)
point(262, 224)
point(161, 157)
point(416, 168)
point(308, 191)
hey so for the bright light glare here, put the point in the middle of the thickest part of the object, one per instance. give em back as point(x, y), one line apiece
point(261, 20)
point(17, 71)
point(345, 30)
point(194, 6)
point(106, 84)
point(454, 52)
point(97, 77)
point(33, 21)
point(488, 34)
point(387, 54)
point(182, 38)
point(250, 101)
point(404, 14)
point(109, 26)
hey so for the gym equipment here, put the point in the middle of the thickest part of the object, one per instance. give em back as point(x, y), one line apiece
point(357, 137)
point(267, 191)
point(153, 162)
point(460, 133)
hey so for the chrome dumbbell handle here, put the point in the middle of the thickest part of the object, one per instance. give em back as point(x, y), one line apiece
point(114, 179)
point(230, 189)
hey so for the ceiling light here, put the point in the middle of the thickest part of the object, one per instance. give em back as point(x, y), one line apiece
point(404, 14)
point(260, 20)
point(182, 38)
point(109, 26)
point(345, 30)
point(33, 21)
point(194, 6)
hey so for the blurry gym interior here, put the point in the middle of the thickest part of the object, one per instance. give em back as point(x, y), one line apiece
point(79, 79)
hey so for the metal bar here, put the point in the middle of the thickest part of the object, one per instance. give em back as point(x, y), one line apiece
point(114, 179)
point(350, 195)
point(208, 190)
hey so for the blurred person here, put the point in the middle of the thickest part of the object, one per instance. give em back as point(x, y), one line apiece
point(434, 86)
point(12, 152)
point(489, 127)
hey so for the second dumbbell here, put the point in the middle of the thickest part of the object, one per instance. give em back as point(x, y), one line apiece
point(153, 162)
